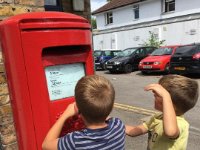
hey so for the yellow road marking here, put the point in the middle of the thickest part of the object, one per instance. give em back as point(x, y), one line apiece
point(135, 109)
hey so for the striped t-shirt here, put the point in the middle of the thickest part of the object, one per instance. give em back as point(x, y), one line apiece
point(111, 137)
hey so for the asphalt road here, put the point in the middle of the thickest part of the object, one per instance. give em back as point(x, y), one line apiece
point(138, 105)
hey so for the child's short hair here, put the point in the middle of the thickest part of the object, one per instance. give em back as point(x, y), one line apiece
point(94, 98)
point(184, 92)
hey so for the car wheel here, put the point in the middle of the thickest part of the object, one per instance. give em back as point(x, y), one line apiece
point(167, 68)
point(128, 68)
point(104, 66)
point(144, 72)
point(111, 71)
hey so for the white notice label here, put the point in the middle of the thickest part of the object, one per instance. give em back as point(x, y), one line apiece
point(62, 79)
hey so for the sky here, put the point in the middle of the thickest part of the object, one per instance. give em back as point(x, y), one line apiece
point(95, 4)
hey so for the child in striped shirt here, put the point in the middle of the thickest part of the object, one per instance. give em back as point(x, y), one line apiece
point(94, 99)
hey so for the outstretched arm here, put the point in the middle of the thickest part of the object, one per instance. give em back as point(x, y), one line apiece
point(51, 140)
point(135, 130)
point(169, 116)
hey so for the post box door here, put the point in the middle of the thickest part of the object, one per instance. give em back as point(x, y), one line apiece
point(59, 48)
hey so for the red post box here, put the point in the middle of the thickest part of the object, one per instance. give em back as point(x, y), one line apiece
point(45, 54)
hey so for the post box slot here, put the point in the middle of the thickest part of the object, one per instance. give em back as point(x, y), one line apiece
point(65, 54)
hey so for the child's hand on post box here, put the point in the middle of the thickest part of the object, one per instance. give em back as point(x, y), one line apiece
point(70, 111)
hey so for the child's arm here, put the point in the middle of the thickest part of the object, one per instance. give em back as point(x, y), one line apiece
point(51, 140)
point(169, 116)
point(135, 130)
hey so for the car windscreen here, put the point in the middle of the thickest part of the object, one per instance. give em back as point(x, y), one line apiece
point(97, 53)
point(162, 51)
point(116, 53)
point(190, 49)
point(108, 53)
point(127, 52)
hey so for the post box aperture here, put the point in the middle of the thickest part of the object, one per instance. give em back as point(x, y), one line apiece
point(45, 55)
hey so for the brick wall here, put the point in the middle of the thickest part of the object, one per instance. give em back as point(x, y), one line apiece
point(7, 131)
point(13, 7)
point(9, 8)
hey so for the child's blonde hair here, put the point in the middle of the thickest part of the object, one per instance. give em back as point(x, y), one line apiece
point(95, 98)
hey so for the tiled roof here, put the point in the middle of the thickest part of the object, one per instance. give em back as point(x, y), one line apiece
point(115, 4)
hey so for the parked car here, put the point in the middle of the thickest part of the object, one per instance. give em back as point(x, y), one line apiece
point(102, 56)
point(128, 59)
point(158, 60)
point(186, 60)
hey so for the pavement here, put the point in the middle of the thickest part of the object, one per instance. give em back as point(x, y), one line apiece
point(132, 118)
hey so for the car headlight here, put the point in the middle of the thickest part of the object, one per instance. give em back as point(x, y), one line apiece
point(140, 63)
point(117, 62)
point(157, 63)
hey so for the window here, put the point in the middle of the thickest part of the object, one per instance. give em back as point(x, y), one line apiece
point(109, 18)
point(149, 50)
point(169, 5)
point(136, 11)
point(140, 52)
point(108, 53)
point(53, 5)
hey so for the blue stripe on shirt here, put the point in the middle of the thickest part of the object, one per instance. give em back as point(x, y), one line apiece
point(110, 137)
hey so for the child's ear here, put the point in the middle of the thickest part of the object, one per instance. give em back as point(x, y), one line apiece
point(175, 109)
point(76, 108)
point(108, 118)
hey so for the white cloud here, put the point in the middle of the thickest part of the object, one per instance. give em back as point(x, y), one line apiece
point(95, 4)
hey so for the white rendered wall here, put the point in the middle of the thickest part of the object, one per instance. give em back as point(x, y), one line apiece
point(174, 34)
point(184, 5)
point(100, 20)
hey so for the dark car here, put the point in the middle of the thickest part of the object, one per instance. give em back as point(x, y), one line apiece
point(186, 60)
point(102, 56)
point(128, 59)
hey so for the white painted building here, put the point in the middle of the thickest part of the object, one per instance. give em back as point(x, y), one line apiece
point(126, 23)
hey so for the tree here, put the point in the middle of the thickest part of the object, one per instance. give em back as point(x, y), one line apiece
point(153, 41)
point(94, 23)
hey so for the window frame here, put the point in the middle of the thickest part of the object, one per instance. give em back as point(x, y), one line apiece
point(169, 6)
point(108, 18)
point(136, 10)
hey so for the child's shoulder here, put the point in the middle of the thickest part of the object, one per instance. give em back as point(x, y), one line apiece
point(113, 121)
point(182, 122)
